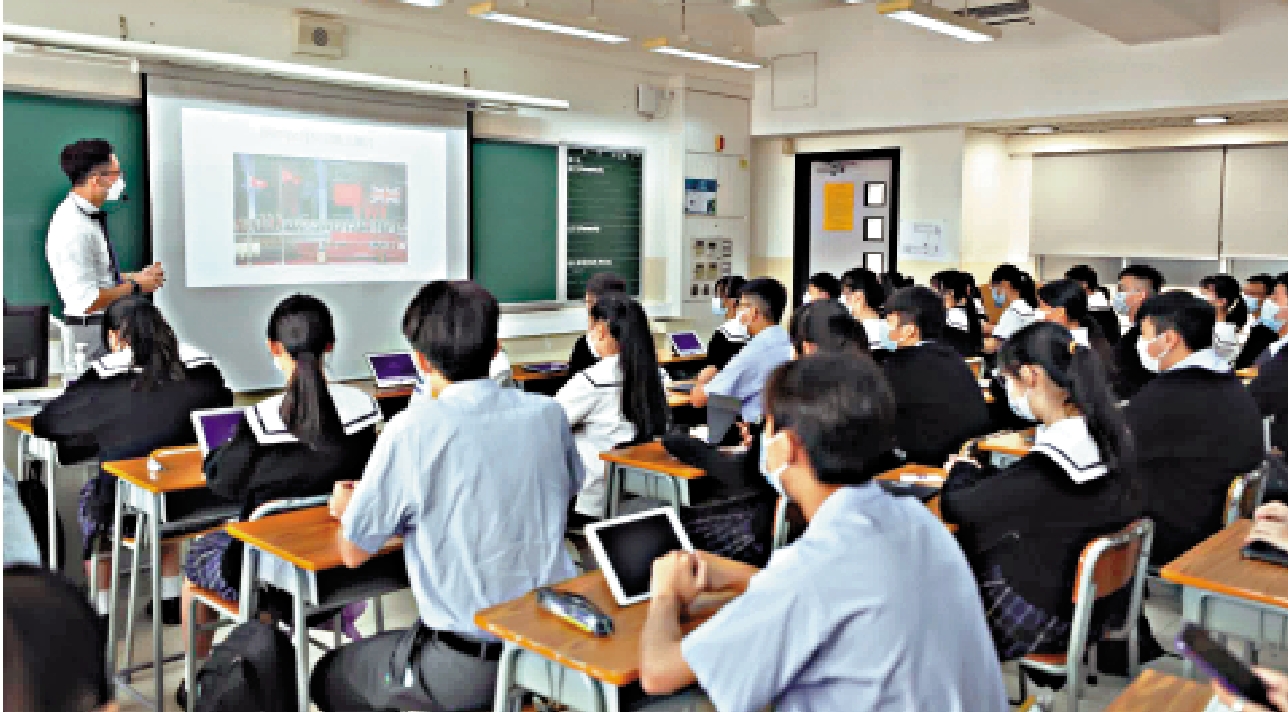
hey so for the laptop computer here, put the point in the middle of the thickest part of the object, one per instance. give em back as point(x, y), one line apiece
point(686, 343)
point(625, 548)
point(393, 369)
point(216, 426)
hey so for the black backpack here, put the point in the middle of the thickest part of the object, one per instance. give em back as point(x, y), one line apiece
point(35, 499)
point(253, 670)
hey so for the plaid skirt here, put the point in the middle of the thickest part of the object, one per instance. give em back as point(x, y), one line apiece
point(1018, 627)
point(204, 564)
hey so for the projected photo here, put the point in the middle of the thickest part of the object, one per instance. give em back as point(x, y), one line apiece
point(290, 210)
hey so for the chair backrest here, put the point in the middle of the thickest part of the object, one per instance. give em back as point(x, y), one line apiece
point(1110, 562)
point(722, 413)
point(1245, 494)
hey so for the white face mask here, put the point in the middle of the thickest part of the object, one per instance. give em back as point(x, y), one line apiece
point(1153, 365)
point(774, 476)
point(1040, 316)
point(717, 306)
point(115, 192)
point(807, 298)
point(1019, 402)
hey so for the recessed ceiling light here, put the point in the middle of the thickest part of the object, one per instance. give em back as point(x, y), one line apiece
point(1040, 130)
point(688, 50)
point(426, 3)
point(1210, 120)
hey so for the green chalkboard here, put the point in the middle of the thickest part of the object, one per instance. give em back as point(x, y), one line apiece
point(36, 127)
point(515, 220)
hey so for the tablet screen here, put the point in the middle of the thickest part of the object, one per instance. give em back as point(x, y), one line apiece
point(218, 428)
point(686, 341)
point(632, 546)
point(389, 367)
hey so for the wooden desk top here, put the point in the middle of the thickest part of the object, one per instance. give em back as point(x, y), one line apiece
point(22, 425)
point(1155, 692)
point(368, 386)
point(897, 474)
point(307, 538)
point(1015, 444)
point(1217, 565)
point(652, 457)
point(614, 659)
point(181, 470)
point(1247, 373)
point(667, 359)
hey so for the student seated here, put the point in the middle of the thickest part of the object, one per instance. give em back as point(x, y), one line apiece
point(760, 308)
point(1195, 425)
point(1099, 308)
point(1136, 283)
point(1014, 293)
point(54, 650)
point(940, 403)
point(823, 285)
point(816, 629)
point(1023, 526)
point(477, 481)
point(1222, 292)
point(1064, 302)
point(731, 336)
point(297, 444)
point(965, 331)
point(1270, 388)
point(863, 295)
point(734, 506)
point(135, 399)
point(617, 401)
point(1266, 337)
point(582, 356)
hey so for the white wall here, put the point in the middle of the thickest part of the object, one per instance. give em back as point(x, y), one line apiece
point(877, 73)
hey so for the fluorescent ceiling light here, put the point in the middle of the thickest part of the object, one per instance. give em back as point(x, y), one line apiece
point(662, 45)
point(1040, 130)
point(488, 11)
point(1210, 120)
point(927, 16)
point(426, 3)
point(224, 61)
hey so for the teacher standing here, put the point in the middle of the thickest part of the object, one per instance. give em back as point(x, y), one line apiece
point(81, 256)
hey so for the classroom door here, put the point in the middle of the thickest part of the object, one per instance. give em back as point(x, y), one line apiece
point(846, 212)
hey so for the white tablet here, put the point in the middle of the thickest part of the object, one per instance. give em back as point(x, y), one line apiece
point(626, 547)
point(216, 426)
point(393, 369)
point(686, 343)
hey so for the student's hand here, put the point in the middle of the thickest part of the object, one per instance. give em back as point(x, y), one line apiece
point(954, 459)
point(744, 433)
point(1276, 684)
point(1272, 533)
point(705, 375)
point(679, 574)
point(1272, 512)
point(340, 497)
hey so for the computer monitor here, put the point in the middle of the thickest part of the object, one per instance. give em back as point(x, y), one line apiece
point(26, 346)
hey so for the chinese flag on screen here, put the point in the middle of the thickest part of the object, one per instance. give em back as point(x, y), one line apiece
point(347, 194)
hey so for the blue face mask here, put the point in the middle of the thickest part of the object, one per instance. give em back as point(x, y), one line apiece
point(1120, 304)
point(999, 297)
point(1270, 316)
point(1253, 303)
point(774, 477)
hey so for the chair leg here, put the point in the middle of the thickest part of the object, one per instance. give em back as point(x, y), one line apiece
point(335, 628)
point(380, 614)
point(190, 660)
point(132, 600)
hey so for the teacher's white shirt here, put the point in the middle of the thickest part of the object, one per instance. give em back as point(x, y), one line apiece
point(78, 255)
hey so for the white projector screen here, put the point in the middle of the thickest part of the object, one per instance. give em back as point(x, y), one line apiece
point(395, 173)
point(284, 200)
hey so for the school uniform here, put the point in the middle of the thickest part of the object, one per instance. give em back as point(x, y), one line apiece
point(1270, 390)
point(1018, 314)
point(1107, 320)
point(1196, 428)
point(1256, 346)
point(264, 462)
point(581, 357)
point(1023, 528)
point(745, 375)
point(958, 334)
point(592, 400)
point(939, 404)
point(1226, 342)
point(726, 342)
point(102, 415)
point(1130, 374)
point(477, 481)
point(817, 631)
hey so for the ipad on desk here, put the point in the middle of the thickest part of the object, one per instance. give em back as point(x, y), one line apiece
point(1262, 551)
point(216, 426)
point(393, 369)
point(545, 367)
point(626, 547)
point(686, 343)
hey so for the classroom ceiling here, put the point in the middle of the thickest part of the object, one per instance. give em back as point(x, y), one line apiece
point(1241, 117)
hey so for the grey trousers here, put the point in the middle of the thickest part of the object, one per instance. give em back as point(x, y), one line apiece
point(370, 674)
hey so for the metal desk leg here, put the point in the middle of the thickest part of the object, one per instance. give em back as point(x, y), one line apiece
point(1192, 609)
point(140, 539)
point(301, 639)
point(190, 660)
point(115, 584)
point(504, 699)
point(154, 548)
point(611, 696)
point(613, 485)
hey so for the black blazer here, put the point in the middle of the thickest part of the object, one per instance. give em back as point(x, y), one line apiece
point(1260, 337)
point(1130, 374)
point(939, 404)
point(1270, 390)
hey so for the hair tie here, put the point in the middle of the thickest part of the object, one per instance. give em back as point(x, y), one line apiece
point(1073, 347)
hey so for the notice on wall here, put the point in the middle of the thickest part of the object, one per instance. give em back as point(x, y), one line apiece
point(925, 240)
point(838, 207)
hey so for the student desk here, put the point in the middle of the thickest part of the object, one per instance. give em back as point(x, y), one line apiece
point(1012, 444)
point(1225, 592)
point(1155, 692)
point(534, 639)
point(293, 551)
point(652, 460)
point(923, 475)
point(27, 446)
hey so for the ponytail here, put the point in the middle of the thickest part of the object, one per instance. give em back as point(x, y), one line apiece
point(1019, 280)
point(643, 399)
point(1028, 289)
point(303, 326)
point(153, 346)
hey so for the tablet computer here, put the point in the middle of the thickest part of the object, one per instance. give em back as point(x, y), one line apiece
point(626, 547)
point(686, 343)
point(1261, 551)
point(216, 426)
point(545, 367)
point(393, 369)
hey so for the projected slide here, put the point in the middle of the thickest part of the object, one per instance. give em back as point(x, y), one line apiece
point(309, 211)
point(277, 200)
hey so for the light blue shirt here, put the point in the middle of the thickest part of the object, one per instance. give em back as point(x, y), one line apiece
point(745, 375)
point(873, 609)
point(478, 482)
point(19, 540)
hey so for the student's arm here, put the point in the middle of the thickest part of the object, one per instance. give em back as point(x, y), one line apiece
point(706, 374)
point(577, 397)
point(229, 467)
point(576, 468)
point(677, 579)
point(378, 506)
point(973, 494)
point(724, 383)
point(72, 419)
point(725, 574)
